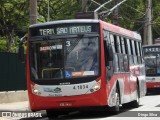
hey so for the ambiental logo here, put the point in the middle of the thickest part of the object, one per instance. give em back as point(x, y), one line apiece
point(56, 90)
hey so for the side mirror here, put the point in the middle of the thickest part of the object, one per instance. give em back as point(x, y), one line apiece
point(21, 55)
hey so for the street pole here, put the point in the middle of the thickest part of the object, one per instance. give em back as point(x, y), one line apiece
point(115, 13)
point(149, 33)
point(33, 12)
point(84, 5)
point(148, 27)
point(48, 11)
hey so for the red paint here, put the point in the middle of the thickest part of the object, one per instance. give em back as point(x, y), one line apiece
point(99, 98)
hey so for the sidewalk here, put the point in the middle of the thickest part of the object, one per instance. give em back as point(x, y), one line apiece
point(18, 110)
point(13, 96)
point(15, 106)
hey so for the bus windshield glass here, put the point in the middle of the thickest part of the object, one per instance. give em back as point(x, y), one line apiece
point(152, 63)
point(64, 58)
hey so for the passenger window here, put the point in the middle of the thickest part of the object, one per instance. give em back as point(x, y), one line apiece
point(134, 52)
point(130, 41)
point(126, 46)
point(112, 42)
point(115, 44)
point(118, 45)
point(122, 45)
point(137, 47)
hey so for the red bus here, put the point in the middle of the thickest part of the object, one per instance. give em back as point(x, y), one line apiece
point(83, 63)
point(152, 65)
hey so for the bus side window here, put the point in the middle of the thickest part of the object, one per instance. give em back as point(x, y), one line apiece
point(123, 46)
point(121, 58)
point(107, 43)
point(118, 44)
point(108, 55)
point(138, 53)
point(141, 54)
point(134, 52)
point(116, 60)
point(125, 56)
point(130, 52)
point(112, 42)
point(106, 36)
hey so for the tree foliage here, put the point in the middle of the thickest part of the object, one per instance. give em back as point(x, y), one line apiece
point(14, 16)
point(13, 20)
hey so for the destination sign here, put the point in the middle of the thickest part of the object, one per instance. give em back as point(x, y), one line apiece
point(59, 30)
point(65, 30)
point(152, 49)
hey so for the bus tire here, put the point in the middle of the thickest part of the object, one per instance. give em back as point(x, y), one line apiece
point(116, 108)
point(136, 102)
point(51, 114)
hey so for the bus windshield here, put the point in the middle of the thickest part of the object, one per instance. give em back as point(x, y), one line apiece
point(64, 58)
point(152, 63)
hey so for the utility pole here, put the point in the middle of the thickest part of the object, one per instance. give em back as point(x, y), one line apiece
point(33, 12)
point(48, 10)
point(148, 27)
point(115, 13)
point(84, 5)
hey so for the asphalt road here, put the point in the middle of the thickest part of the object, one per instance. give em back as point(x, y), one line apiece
point(149, 109)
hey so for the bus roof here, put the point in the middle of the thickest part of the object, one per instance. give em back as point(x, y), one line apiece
point(66, 21)
point(120, 30)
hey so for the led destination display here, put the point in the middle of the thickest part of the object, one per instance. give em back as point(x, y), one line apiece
point(60, 30)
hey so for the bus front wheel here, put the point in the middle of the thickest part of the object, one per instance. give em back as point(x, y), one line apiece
point(116, 108)
point(136, 102)
point(52, 114)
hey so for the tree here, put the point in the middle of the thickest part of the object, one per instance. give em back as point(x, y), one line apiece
point(14, 16)
point(13, 19)
point(59, 9)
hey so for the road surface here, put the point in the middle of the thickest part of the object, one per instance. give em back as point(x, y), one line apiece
point(149, 109)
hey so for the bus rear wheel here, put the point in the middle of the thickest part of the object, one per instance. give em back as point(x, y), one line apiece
point(136, 102)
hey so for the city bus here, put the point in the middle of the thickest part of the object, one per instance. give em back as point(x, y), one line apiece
point(152, 65)
point(83, 63)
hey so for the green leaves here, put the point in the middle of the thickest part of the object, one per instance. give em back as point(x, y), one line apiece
point(59, 9)
point(14, 15)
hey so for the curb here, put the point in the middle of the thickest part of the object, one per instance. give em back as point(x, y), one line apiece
point(13, 96)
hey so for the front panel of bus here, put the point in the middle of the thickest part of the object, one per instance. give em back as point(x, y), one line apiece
point(152, 64)
point(64, 66)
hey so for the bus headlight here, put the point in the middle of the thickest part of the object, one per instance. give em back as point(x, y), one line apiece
point(35, 91)
point(96, 87)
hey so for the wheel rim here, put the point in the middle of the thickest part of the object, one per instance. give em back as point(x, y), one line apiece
point(117, 102)
point(137, 96)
